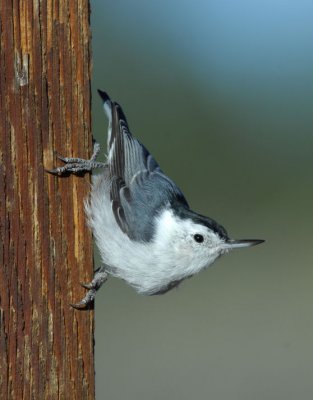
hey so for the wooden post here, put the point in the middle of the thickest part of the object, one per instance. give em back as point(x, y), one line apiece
point(46, 347)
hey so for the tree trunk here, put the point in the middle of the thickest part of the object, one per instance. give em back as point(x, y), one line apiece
point(46, 347)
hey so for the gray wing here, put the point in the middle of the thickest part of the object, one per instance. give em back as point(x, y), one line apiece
point(139, 189)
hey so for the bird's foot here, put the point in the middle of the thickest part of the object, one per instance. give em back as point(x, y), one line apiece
point(98, 280)
point(78, 165)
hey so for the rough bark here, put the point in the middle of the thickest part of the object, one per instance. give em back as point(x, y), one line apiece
point(46, 347)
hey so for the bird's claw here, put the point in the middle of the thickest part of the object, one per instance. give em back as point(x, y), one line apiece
point(87, 285)
point(87, 301)
point(98, 280)
point(78, 165)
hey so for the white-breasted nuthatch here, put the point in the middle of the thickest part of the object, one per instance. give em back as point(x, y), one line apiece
point(144, 229)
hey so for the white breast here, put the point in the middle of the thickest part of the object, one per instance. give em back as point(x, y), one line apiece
point(148, 267)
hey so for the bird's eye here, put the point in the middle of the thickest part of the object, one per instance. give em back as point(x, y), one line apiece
point(198, 238)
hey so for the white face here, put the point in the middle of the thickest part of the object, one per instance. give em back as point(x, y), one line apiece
point(185, 244)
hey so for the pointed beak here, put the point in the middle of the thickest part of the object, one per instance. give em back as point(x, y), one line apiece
point(236, 244)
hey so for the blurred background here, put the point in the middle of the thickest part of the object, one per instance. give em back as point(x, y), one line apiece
point(221, 93)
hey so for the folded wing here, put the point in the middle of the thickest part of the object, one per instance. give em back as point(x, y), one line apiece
point(139, 189)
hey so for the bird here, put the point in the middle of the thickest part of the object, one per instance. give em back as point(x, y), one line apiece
point(145, 231)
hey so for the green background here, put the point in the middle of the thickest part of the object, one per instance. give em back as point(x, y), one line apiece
point(221, 94)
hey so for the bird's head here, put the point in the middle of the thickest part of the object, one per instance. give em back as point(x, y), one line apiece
point(192, 241)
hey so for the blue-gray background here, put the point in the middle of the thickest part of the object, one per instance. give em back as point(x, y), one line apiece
point(221, 93)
